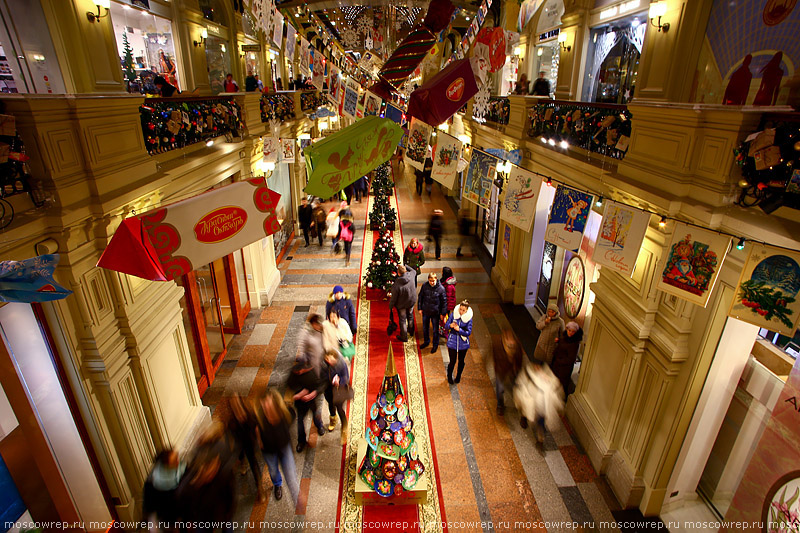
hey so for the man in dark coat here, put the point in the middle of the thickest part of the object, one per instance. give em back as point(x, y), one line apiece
point(404, 295)
point(304, 217)
point(432, 303)
point(565, 354)
point(341, 301)
point(436, 230)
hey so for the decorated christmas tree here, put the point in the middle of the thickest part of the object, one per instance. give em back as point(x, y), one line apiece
point(383, 215)
point(391, 465)
point(382, 269)
point(382, 183)
point(127, 59)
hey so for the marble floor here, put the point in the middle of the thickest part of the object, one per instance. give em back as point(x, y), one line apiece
point(494, 476)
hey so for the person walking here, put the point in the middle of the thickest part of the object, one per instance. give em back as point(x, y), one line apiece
point(404, 295)
point(419, 180)
point(537, 395)
point(541, 87)
point(426, 175)
point(332, 223)
point(464, 231)
point(273, 423)
point(346, 234)
point(550, 326)
point(318, 218)
point(311, 343)
point(307, 385)
point(159, 502)
point(414, 257)
point(432, 304)
point(565, 354)
point(448, 280)
point(242, 427)
point(338, 390)
point(341, 302)
point(436, 230)
point(507, 357)
point(337, 335)
point(230, 85)
point(522, 85)
point(459, 325)
point(305, 217)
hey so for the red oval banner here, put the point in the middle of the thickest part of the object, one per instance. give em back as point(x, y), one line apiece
point(455, 90)
point(220, 224)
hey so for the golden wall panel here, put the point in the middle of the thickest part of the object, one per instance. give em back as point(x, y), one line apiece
point(109, 142)
point(603, 377)
point(61, 150)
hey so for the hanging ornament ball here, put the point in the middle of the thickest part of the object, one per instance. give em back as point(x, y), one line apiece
point(797, 146)
point(369, 284)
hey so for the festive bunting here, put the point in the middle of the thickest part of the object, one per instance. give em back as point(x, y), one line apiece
point(348, 154)
point(478, 184)
point(620, 238)
point(445, 159)
point(291, 40)
point(444, 94)
point(395, 114)
point(168, 242)
point(277, 29)
point(31, 280)
point(692, 262)
point(527, 10)
point(372, 104)
point(287, 150)
point(334, 87)
point(305, 66)
point(768, 293)
point(514, 156)
point(318, 78)
point(418, 135)
point(519, 204)
point(271, 149)
point(568, 216)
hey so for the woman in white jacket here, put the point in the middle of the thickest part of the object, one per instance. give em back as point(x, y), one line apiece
point(539, 397)
point(337, 334)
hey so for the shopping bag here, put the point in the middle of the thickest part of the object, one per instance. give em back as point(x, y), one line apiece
point(347, 349)
point(392, 327)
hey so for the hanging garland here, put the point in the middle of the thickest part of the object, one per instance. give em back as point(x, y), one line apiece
point(277, 106)
point(171, 124)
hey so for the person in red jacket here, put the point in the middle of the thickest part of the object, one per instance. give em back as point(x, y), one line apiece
point(448, 281)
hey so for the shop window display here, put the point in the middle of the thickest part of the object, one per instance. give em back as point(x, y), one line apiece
point(613, 61)
point(145, 46)
point(219, 63)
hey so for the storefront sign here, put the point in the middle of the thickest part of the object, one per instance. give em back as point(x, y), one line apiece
point(343, 157)
point(692, 262)
point(446, 154)
point(166, 243)
point(574, 287)
point(251, 48)
point(444, 94)
point(478, 184)
point(620, 9)
point(620, 238)
point(568, 216)
point(519, 205)
point(768, 294)
point(549, 35)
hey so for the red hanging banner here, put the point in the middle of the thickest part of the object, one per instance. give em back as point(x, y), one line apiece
point(444, 94)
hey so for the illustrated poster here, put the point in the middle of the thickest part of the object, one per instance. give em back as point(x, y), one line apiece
point(372, 104)
point(350, 98)
point(418, 135)
point(271, 149)
point(568, 216)
point(481, 172)
point(769, 290)
point(394, 113)
point(519, 205)
point(445, 159)
point(692, 262)
point(620, 238)
point(318, 79)
point(287, 150)
point(305, 67)
point(291, 40)
point(277, 29)
point(334, 92)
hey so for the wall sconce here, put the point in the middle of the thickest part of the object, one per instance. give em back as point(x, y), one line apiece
point(203, 37)
point(658, 10)
point(562, 38)
point(99, 3)
point(267, 167)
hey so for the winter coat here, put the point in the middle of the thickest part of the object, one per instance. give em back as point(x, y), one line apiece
point(304, 216)
point(506, 366)
point(332, 223)
point(319, 215)
point(340, 369)
point(565, 354)
point(274, 438)
point(332, 335)
point(459, 340)
point(345, 308)
point(345, 223)
point(414, 257)
point(538, 394)
point(547, 337)
point(436, 227)
point(312, 347)
point(450, 290)
point(404, 291)
point(432, 300)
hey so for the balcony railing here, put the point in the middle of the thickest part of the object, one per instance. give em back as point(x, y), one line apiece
point(15, 177)
point(170, 123)
point(277, 106)
point(600, 128)
point(311, 100)
point(498, 111)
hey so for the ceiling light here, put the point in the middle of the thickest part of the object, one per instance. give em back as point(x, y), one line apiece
point(564, 144)
point(663, 222)
point(551, 142)
point(740, 244)
point(210, 142)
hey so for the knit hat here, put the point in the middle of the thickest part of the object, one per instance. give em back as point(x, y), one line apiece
point(338, 288)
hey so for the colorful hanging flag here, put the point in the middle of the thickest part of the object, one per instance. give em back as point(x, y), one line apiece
point(287, 150)
point(350, 104)
point(168, 242)
point(291, 40)
point(277, 29)
point(445, 155)
point(691, 263)
point(620, 237)
point(394, 114)
point(768, 293)
point(521, 195)
point(372, 104)
point(419, 134)
point(480, 176)
point(31, 280)
point(444, 94)
point(568, 216)
point(345, 156)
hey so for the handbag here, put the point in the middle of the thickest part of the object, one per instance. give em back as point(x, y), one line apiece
point(342, 394)
point(347, 349)
point(392, 327)
point(444, 331)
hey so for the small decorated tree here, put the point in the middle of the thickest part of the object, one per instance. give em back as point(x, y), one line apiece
point(127, 60)
point(382, 269)
point(383, 215)
point(382, 182)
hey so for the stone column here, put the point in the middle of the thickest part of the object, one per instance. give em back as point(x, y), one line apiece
point(575, 24)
